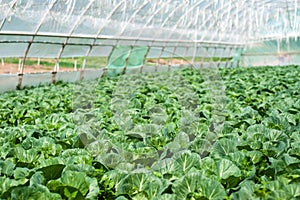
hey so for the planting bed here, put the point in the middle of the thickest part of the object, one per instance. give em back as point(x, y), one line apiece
point(189, 134)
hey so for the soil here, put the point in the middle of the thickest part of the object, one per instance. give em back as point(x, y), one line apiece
point(13, 69)
point(31, 69)
point(167, 62)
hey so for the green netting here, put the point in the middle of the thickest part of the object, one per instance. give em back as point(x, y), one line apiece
point(126, 57)
point(237, 56)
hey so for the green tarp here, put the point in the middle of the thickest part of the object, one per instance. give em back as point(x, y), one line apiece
point(126, 56)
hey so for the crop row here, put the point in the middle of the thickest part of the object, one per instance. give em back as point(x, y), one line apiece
point(188, 134)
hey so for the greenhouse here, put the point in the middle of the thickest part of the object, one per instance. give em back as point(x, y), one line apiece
point(150, 99)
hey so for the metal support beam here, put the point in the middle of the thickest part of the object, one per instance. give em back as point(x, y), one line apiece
point(76, 24)
point(31, 41)
point(126, 60)
point(159, 57)
point(171, 41)
point(133, 16)
point(13, 5)
point(145, 59)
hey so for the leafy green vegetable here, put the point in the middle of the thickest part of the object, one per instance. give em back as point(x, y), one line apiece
point(189, 134)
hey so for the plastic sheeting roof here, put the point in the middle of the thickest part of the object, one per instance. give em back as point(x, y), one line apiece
point(67, 28)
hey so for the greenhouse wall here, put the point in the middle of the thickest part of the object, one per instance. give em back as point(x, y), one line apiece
point(150, 99)
point(80, 36)
point(280, 52)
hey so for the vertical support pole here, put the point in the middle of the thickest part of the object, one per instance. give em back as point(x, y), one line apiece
point(39, 61)
point(127, 59)
point(55, 70)
point(158, 64)
point(2, 62)
point(218, 61)
point(108, 59)
point(172, 57)
point(53, 77)
point(195, 52)
point(213, 58)
point(82, 69)
point(20, 81)
point(30, 42)
point(231, 63)
point(212, 62)
point(57, 66)
point(21, 69)
point(204, 57)
point(221, 56)
point(75, 65)
point(238, 61)
point(227, 63)
point(225, 48)
point(145, 59)
point(20, 66)
point(83, 64)
point(202, 60)
point(184, 56)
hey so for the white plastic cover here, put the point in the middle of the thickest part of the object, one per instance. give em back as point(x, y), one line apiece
point(68, 28)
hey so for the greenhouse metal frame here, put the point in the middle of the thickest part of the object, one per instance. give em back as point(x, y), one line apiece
point(177, 28)
point(150, 99)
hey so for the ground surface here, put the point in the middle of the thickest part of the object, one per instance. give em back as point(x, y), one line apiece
point(13, 69)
